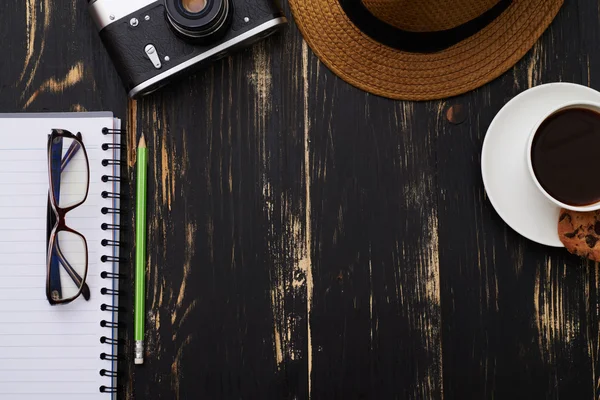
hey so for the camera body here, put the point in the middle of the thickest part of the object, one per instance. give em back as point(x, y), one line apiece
point(152, 42)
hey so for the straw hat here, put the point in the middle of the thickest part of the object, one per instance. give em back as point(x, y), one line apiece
point(421, 49)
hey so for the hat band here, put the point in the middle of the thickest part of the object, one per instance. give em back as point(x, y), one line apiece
point(417, 42)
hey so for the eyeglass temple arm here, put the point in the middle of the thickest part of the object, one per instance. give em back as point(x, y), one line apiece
point(73, 149)
point(54, 272)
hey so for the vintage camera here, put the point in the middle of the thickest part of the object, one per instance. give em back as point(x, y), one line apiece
point(151, 42)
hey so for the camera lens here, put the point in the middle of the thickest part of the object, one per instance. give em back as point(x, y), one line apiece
point(193, 6)
point(199, 20)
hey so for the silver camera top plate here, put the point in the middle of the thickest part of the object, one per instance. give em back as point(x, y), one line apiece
point(105, 12)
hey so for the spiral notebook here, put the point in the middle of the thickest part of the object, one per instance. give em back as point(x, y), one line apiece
point(66, 351)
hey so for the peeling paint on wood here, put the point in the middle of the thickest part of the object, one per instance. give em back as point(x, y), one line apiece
point(57, 86)
point(305, 263)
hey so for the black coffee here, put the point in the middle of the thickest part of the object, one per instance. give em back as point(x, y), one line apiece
point(566, 156)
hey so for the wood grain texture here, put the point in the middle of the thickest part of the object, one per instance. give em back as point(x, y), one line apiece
point(309, 240)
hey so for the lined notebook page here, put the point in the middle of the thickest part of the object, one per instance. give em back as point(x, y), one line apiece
point(49, 352)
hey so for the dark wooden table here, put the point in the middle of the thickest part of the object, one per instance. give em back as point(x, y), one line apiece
point(311, 240)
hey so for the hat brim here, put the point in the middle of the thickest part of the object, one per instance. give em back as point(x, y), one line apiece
point(385, 71)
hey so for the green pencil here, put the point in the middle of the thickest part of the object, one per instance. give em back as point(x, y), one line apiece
point(140, 250)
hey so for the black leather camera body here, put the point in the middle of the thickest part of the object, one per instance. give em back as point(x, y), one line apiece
point(152, 42)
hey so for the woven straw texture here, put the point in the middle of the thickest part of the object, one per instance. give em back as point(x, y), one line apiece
point(384, 71)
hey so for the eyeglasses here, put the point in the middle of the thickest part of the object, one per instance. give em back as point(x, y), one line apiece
point(67, 257)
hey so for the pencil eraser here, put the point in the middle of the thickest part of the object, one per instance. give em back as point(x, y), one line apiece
point(138, 355)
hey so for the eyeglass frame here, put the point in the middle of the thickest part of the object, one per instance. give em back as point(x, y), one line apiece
point(60, 224)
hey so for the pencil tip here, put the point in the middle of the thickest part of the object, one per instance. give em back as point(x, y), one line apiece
point(142, 141)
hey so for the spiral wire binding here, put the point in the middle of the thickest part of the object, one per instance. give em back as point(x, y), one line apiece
point(110, 258)
point(107, 178)
point(110, 195)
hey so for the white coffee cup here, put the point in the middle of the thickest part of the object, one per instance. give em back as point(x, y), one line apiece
point(575, 104)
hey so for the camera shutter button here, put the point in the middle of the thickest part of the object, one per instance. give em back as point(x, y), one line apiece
point(153, 56)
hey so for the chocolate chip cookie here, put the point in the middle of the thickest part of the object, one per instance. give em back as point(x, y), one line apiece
point(580, 233)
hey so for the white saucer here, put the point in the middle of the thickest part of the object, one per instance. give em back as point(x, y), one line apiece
point(506, 178)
